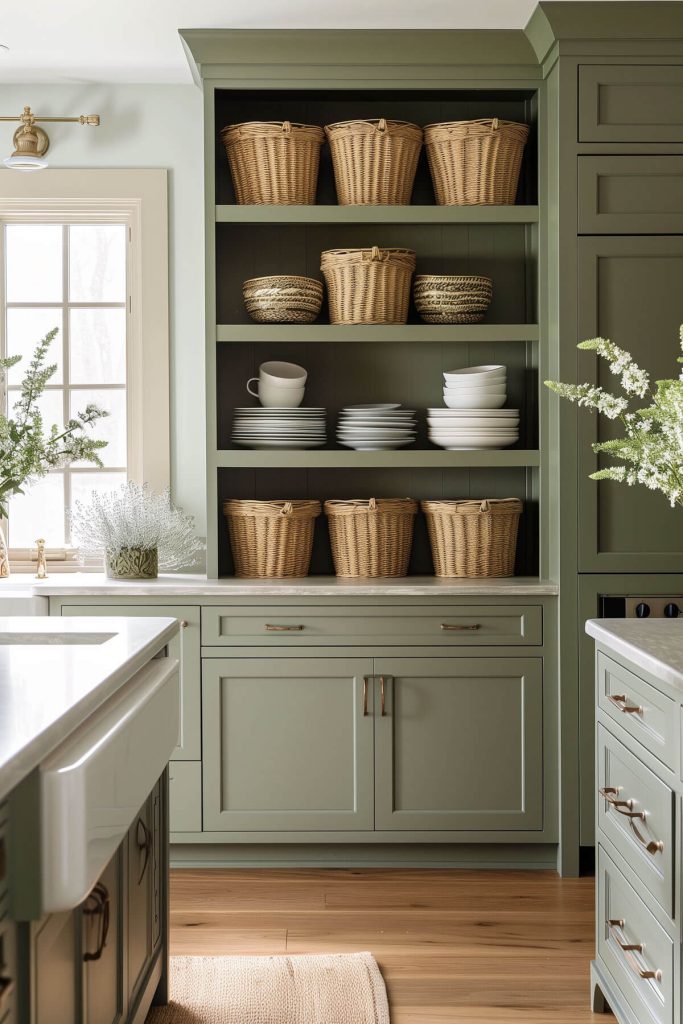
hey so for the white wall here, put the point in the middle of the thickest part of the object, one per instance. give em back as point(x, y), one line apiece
point(147, 126)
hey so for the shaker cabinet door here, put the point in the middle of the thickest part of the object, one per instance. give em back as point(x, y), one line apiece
point(102, 948)
point(629, 292)
point(54, 985)
point(184, 647)
point(287, 744)
point(140, 895)
point(459, 743)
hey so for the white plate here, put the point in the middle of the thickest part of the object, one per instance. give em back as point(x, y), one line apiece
point(266, 410)
point(372, 406)
point(479, 422)
point(453, 413)
point(375, 432)
point(277, 443)
point(376, 423)
point(474, 438)
point(374, 446)
point(464, 444)
point(277, 427)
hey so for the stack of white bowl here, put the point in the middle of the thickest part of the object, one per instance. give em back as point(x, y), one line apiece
point(473, 417)
point(376, 428)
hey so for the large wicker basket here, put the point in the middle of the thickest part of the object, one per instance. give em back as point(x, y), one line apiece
point(271, 539)
point(274, 161)
point(371, 538)
point(374, 161)
point(368, 286)
point(473, 538)
point(475, 162)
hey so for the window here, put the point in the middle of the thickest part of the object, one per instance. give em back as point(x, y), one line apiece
point(83, 264)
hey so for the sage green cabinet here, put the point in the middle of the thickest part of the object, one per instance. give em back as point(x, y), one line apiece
point(287, 744)
point(102, 947)
point(630, 195)
point(631, 102)
point(629, 291)
point(458, 743)
point(185, 647)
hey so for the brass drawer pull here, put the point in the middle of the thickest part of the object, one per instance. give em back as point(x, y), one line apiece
point(610, 794)
point(365, 696)
point(100, 898)
point(454, 628)
point(283, 629)
point(629, 948)
point(619, 701)
point(382, 696)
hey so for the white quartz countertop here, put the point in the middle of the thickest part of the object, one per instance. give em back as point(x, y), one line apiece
point(179, 585)
point(655, 645)
point(48, 688)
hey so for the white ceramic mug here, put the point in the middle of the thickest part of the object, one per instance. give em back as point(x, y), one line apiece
point(285, 375)
point(273, 395)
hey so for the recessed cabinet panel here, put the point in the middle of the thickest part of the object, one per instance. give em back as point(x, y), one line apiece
point(629, 291)
point(54, 981)
point(185, 795)
point(458, 743)
point(622, 195)
point(630, 103)
point(184, 647)
point(287, 744)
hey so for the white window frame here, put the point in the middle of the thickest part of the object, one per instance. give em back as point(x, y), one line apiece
point(138, 198)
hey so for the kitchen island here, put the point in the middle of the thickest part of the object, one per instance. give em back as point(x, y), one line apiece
point(89, 716)
point(639, 804)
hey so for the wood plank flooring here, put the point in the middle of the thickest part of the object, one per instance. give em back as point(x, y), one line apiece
point(464, 947)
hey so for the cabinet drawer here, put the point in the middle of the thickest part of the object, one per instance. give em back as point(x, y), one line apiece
point(641, 710)
point(450, 625)
point(627, 788)
point(624, 920)
point(185, 796)
point(630, 195)
point(630, 103)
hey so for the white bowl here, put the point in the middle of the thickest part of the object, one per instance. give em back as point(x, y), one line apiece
point(474, 401)
point(474, 392)
point(476, 385)
point(492, 370)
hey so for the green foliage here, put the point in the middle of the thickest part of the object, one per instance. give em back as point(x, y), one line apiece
point(27, 450)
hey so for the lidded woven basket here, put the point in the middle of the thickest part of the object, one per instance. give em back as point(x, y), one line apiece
point(271, 539)
point(371, 537)
point(374, 161)
point(473, 538)
point(274, 161)
point(368, 286)
point(475, 162)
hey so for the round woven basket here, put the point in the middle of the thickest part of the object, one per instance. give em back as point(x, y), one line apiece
point(371, 538)
point(271, 538)
point(274, 161)
point(283, 299)
point(374, 161)
point(475, 162)
point(473, 538)
point(368, 286)
point(450, 299)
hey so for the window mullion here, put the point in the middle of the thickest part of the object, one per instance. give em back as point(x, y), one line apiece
point(66, 371)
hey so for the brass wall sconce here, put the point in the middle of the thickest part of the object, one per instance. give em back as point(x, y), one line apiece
point(31, 142)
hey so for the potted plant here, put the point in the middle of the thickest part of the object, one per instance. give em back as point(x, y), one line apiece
point(651, 450)
point(137, 532)
point(27, 450)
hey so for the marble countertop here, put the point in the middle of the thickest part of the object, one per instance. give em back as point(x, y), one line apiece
point(655, 645)
point(48, 688)
point(180, 585)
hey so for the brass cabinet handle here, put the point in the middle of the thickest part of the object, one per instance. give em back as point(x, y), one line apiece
point(144, 844)
point(100, 900)
point(382, 696)
point(610, 794)
point(283, 629)
point(616, 926)
point(451, 627)
point(365, 696)
point(619, 701)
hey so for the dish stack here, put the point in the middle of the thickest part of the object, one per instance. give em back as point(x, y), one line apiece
point(279, 427)
point(376, 428)
point(473, 417)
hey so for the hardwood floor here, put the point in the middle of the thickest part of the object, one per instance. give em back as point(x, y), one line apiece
point(482, 947)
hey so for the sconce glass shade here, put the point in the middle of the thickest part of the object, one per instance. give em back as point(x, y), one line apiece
point(31, 144)
point(24, 162)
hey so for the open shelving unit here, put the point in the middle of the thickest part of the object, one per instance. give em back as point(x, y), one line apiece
point(354, 364)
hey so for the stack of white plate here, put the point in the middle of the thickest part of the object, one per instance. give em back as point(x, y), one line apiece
point(458, 429)
point(376, 428)
point(278, 427)
point(475, 387)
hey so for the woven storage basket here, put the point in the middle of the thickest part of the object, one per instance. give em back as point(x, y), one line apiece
point(374, 161)
point(274, 161)
point(368, 286)
point(283, 299)
point(473, 538)
point(371, 538)
point(271, 538)
point(475, 162)
point(447, 299)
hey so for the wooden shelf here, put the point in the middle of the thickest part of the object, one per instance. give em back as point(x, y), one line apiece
point(467, 333)
point(272, 214)
point(411, 458)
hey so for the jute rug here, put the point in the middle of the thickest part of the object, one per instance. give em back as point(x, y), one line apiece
point(329, 989)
